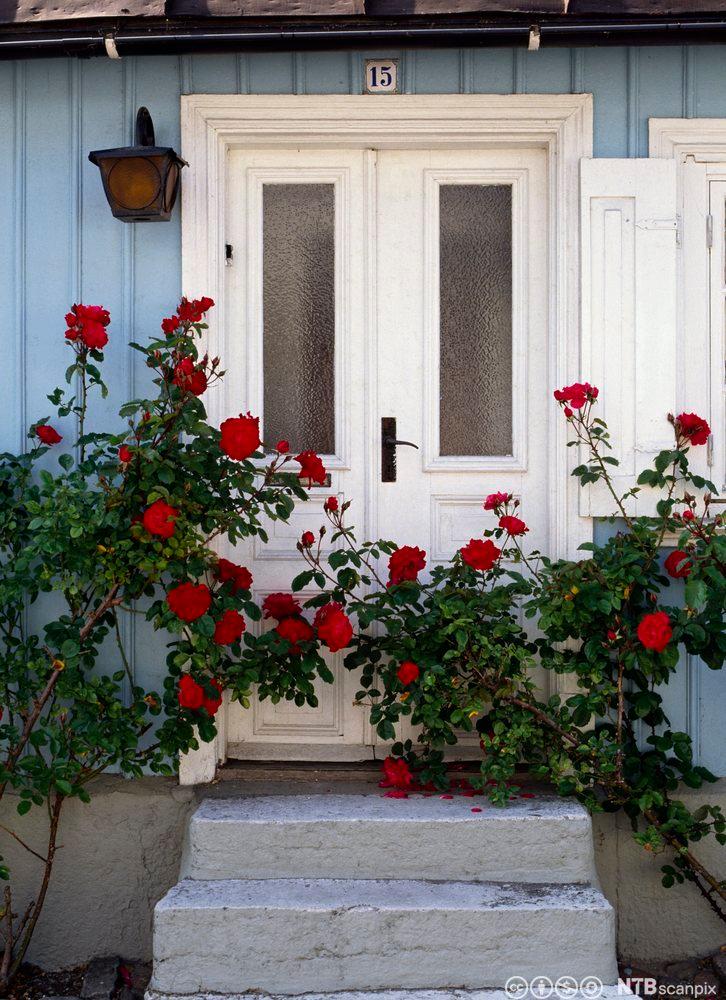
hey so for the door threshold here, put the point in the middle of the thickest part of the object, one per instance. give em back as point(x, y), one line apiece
point(365, 771)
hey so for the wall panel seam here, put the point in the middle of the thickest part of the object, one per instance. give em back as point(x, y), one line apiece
point(633, 102)
point(19, 223)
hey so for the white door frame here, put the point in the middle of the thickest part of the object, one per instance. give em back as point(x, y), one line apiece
point(212, 124)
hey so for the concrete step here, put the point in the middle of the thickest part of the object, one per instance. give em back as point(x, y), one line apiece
point(294, 936)
point(542, 839)
point(539, 992)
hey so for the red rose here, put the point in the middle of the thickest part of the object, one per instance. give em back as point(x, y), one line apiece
point(294, 630)
point(170, 325)
point(190, 694)
point(125, 454)
point(406, 563)
point(240, 436)
point(495, 500)
point(513, 525)
point(568, 412)
point(396, 773)
point(408, 672)
point(94, 335)
point(192, 311)
point(94, 314)
point(480, 554)
point(688, 515)
point(693, 427)
point(577, 394)
point(239, 576)
point(229, 628)
point(189, 601)
point(212, 704)
point(280, 606)
point(331, 505)
point(655, 631)
point(308, 539)
point(333, 625)
point(159, 519)
point(88, 323)
point(311, 467)
point(48, 434)
point(190, 378)
point(282, 446)
point(678, 565)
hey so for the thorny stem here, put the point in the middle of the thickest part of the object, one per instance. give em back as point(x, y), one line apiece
point(122, 651)
point(15, 952)
point(109, 601)
point(595, 452)
point(22, 843)
point(698, 870)
point(619, 725)
point(82, 408)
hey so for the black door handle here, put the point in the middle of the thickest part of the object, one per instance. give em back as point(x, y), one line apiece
point(389, 443)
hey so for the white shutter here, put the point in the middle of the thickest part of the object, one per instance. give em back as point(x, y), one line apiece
point(629, 236)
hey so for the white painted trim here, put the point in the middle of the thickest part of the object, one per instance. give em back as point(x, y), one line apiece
point(702, 138)
point(213, 124)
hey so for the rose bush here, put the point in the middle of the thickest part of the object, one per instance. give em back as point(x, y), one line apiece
point(450, 654)
point(123, 523)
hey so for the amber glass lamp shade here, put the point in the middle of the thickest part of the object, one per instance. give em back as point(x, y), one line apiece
point(141, 182)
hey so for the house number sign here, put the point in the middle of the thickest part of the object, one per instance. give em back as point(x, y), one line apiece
point(381, 76)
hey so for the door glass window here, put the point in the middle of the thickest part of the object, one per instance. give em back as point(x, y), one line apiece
point(298, 302)
point(475, 261)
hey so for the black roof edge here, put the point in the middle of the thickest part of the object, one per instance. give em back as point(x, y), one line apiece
point(147, 36)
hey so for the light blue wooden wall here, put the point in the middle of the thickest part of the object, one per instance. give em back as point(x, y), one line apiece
point(59, 243)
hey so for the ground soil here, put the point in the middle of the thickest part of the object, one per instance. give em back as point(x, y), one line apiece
point(32, 983)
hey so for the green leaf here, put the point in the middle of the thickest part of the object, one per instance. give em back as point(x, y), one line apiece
point(696, 593)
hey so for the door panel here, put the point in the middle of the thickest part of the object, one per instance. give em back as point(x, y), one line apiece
point(462, 339)
point(462, 354)
point(295, 298)
point(459, 280)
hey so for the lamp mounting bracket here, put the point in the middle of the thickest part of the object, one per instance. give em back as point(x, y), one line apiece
point(144, 128)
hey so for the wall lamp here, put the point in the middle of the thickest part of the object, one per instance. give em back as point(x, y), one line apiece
point(141, 182)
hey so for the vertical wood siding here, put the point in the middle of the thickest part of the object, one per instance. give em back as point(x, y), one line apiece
point(59, 243)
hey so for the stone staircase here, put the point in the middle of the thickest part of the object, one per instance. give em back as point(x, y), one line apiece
point(356, 893)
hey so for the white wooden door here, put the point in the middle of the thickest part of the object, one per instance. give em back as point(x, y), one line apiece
point(462, 356)
point(406, 285)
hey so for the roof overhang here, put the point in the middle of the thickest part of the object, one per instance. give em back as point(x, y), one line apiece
point(133, 27)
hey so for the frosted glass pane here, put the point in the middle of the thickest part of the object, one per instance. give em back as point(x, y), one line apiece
point(298, 288)
point(476, 319)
